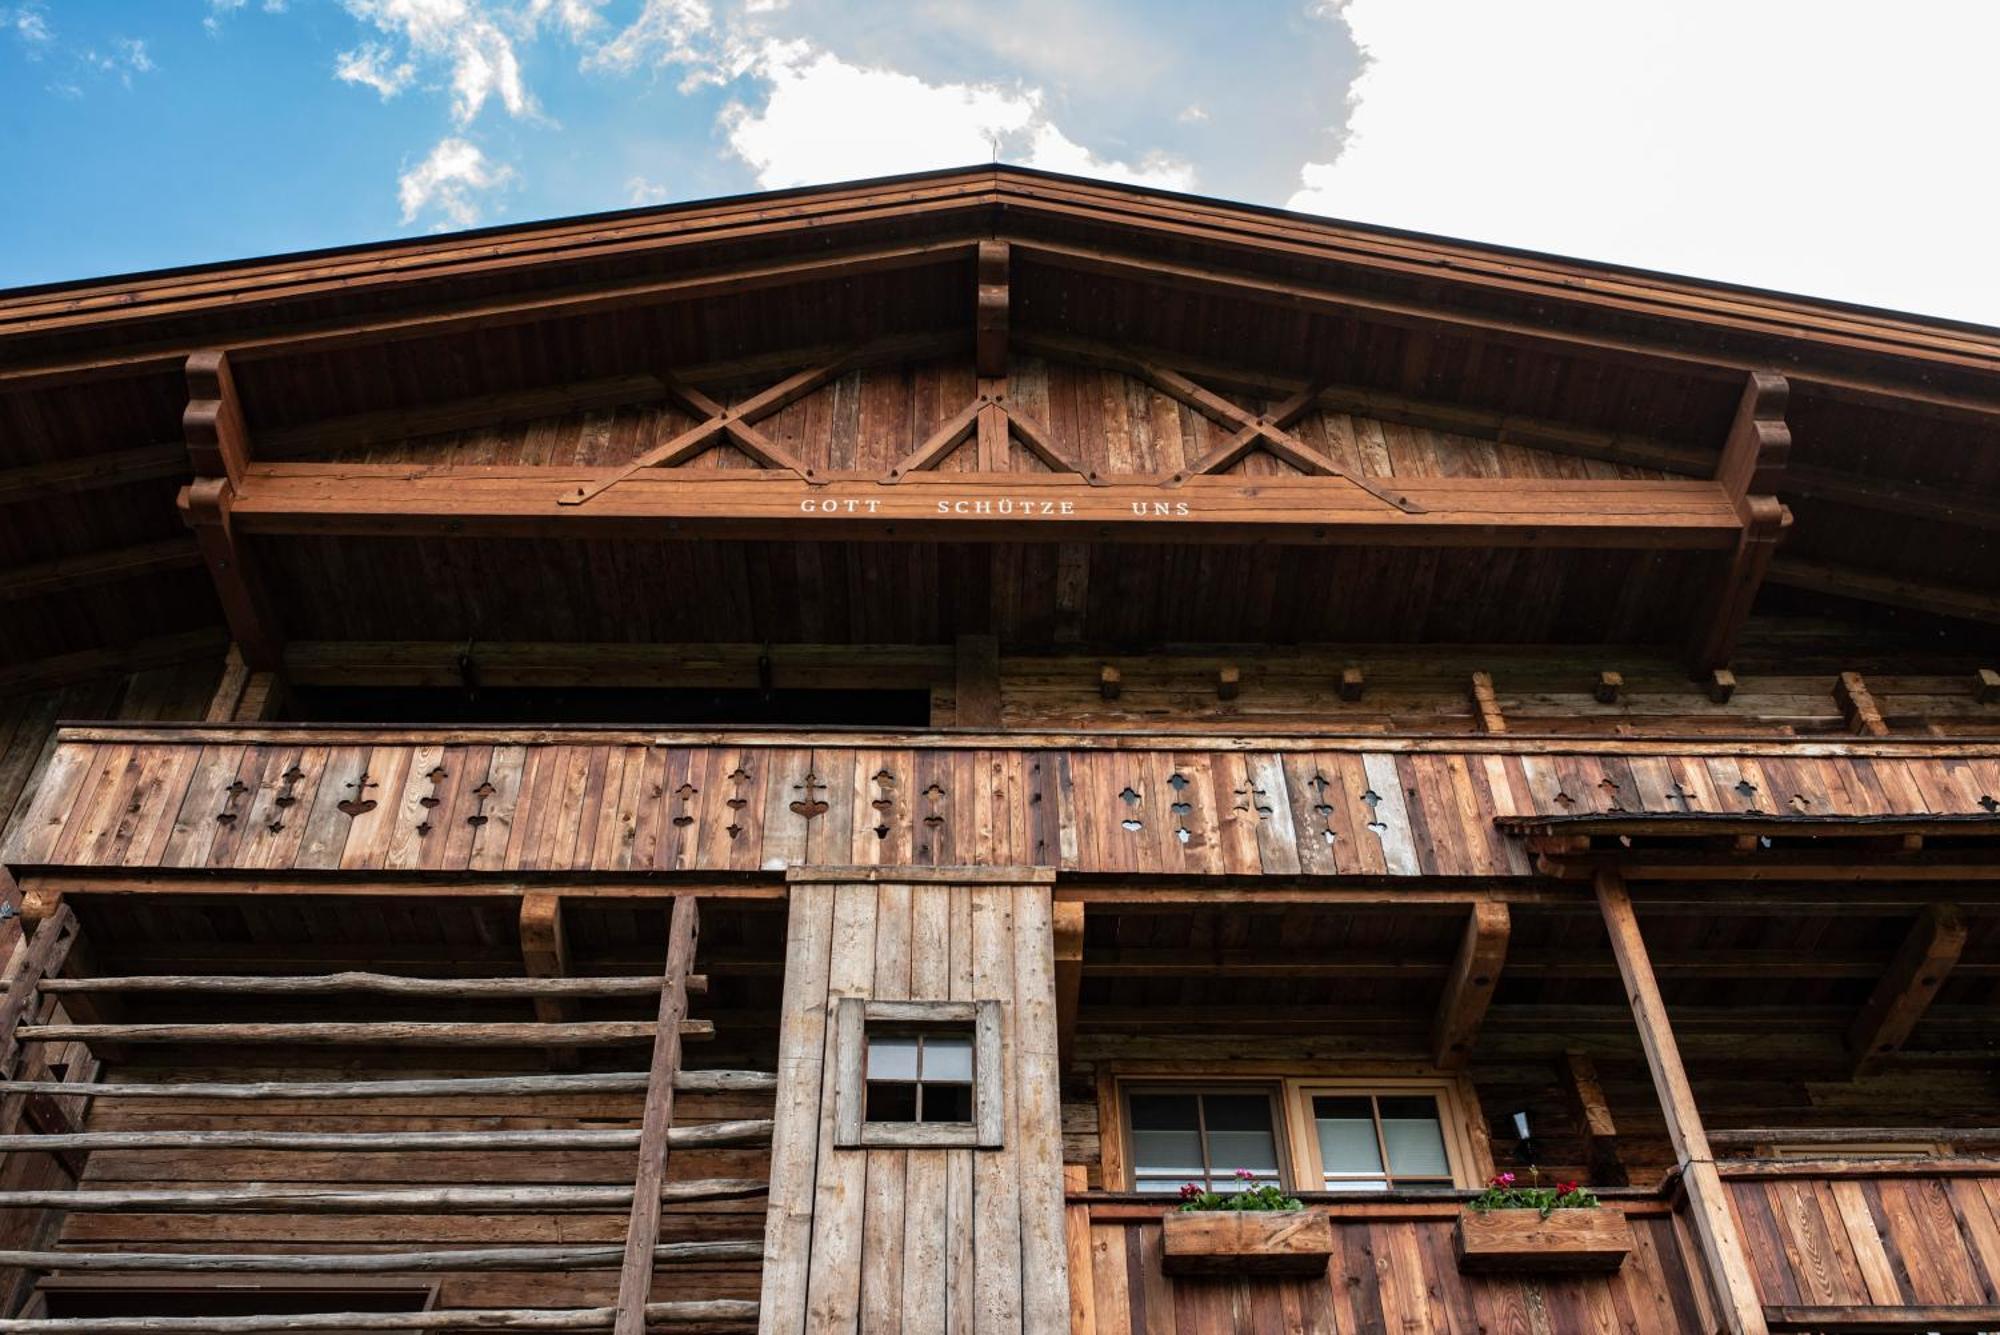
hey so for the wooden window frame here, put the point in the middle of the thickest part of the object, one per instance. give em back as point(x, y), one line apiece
point(1298, 1147)
point(851, 1129)
point(1452, 1122)
point(1273, 1089)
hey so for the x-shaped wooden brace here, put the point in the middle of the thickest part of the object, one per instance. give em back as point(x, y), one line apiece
point(990, 399)
point(736, 425)
point(1267, 431)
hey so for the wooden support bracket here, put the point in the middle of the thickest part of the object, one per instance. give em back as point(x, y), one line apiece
point(218, 439)
point(1487, 704)
point(1610, 685)
point(1228, 682)
point(989, 339)
point(1353, 684)
point(1857, 706)
point(1110, 682)
point(1906, 991)
point(1068, 927)
point(1469, 987)
point(1593, 1118)
point(205, 505)
point(1721, 685)
point(1753, 462)
point(1986, 686)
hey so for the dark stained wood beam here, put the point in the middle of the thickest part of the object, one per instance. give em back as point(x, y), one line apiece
point(1857, 705)
point(1468, 989)
point(92, 472)
point(207, 642)
point(508, 501)
point(1869, 586)
point(990, 315)
point(577, 299)
point(108, 567)
point(206, 506)
point(218, 438)
point(1751, 469)
point(1292, 295)
point(1593, 1118)
point(1909, 986)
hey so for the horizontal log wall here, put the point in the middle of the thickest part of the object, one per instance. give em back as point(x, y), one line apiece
point(315, 1226)
point(308, 800)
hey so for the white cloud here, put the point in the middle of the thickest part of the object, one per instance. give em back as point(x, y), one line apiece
point(1052, 150)
point(31, 24)
point(666, 32)
point(577, 18)
point(828, 120)
point(133, 52)
point(374, 66)
point(464, 37)
point(446, 183)
point(1822, 146)
point(639, 190)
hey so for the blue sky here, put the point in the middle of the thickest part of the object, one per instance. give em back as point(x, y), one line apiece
point(1829, 147)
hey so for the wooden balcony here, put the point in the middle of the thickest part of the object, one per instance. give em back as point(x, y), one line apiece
point(1834, 1246)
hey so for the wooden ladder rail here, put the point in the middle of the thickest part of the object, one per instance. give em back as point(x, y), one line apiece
point(635, 1277)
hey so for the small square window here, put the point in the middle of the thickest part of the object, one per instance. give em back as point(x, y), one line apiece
point(910, 1074)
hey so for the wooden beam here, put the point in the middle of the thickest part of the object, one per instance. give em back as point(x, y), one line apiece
point(517, 501)
point(218, 438)
point(229, 689)
point(1986, 686)
point(1840, 581)
point(207, 506)
point(545, 954)
point(106, 567)
point(1072, 595)
point(1723, 1256)
point(727, 1311)
point(1857, 706)
point(1468, 989)
point(1759, 444)
point(1110, 682)
point(1353, 683)
point(989, 340)
point(943, 441)
point(1909, 986)
point(978, 681)
point(1608, 687)
point(1593, 1118)
point(85, 664)
point(1068, 925)
point(1943, 1319)
point(1486, 704)
point(92, 472)
point(642, 1235)
point(1721, 685)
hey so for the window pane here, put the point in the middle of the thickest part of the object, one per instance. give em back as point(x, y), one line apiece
point(1168, 1154)
point(948, 1059)
point(1346, 1137)
point(1416, 1142)
point(888, 1102)
point(947, 1103)
point(892, 1057)
point(1239, 1135)
point(1164, 1112)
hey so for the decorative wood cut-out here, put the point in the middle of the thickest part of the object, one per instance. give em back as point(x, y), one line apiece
point(360, 804)
point(479, 817)
point(235, 791)
point(809, 806)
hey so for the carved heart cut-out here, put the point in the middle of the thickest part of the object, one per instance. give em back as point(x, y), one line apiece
point(357, 806)
point(809, 809)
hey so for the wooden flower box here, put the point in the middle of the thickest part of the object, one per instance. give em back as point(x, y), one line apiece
point(1499, 1240)
point(1247, 1242)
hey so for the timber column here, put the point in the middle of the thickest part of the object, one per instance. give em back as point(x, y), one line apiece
point(922, 1190)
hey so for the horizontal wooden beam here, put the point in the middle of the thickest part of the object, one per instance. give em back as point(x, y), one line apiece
point(106, 567)
point(390, 500)
point(372, 1263)
point(400, 1033)
point(266, 1198)
point(1870, 587)
point(92, 472)
point(729, 1311)
point(208, 642)
point(1939, 1320)
point(617, 1082)
point(741, 1132)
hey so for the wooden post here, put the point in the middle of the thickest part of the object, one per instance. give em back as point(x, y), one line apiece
point(1068, 919)
point(1738, 1307)
point(545, 954)
point(635, 1277)
point(991, 308)
point(1593, 1118)
point(1486, 704)
point(1469, 989)
point(1754, 457)
point(978, 681)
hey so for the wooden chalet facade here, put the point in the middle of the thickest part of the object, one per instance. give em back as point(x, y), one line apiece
point(801, 763)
